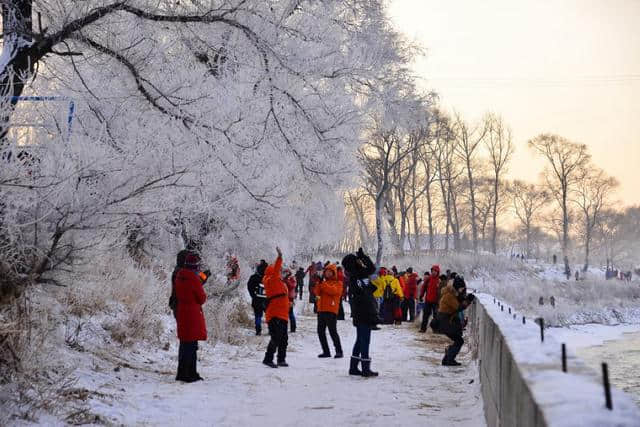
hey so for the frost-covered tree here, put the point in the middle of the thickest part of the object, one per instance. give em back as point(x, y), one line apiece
point(527, 201)
point(592, 195)
point(226, 123)
point(564, 160)
point(499, 145)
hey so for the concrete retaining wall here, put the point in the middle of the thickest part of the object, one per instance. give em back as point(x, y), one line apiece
point(522, 381)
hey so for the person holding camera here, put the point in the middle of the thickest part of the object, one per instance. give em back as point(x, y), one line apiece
point(256, 291)
point(364, 309)
point(190, 297)
point(448, 319)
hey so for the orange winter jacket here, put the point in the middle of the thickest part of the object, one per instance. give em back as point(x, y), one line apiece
point(276, 291)
point(329, 293)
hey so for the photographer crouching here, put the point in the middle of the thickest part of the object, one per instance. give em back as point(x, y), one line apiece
point(450, 321)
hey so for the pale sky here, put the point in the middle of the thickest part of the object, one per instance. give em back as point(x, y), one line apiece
point(570, 67)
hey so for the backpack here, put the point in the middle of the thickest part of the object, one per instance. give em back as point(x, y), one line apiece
point(173, 299)
point(388, 293)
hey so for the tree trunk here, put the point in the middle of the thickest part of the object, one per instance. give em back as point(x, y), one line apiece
point(362, 226)
point(565, 221)
point(403, 230)
point(379, 207)
point(445, 203)
point(494, 231)
point(455, 225)
point(528, 234)
point(16, 29)
point(416, 229)
point(472, 197)
point(587, 245)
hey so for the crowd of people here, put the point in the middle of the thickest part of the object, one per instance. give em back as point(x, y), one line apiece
point(385, 296)
point(375, 296)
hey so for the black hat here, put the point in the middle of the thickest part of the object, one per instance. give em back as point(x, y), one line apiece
point(350, 262)
point(459, 283)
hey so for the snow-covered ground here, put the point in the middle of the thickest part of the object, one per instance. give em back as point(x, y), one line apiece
point(413, 387)
point(582, 336)
point(617, 345)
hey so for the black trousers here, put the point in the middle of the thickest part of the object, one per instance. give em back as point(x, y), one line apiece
point(328, 320)
point(452, 351)
point(187, 361)
point(300, 288)
point(408, 309)
point(430, 309)
point(279, 340)
point(258, 311)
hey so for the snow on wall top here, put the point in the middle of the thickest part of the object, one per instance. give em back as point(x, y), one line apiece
point(568, 399)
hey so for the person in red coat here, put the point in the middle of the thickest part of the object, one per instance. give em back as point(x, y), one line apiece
point(277, 313)
point(430, 294)
point(192, 327)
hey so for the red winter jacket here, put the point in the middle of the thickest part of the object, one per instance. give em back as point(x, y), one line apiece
point(430, 288)
point(291, 286)
point(190, 294)
point(411, 286)
point(430, 285)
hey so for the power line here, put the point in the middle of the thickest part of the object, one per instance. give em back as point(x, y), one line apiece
point(496, 82)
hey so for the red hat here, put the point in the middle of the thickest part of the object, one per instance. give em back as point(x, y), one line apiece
point(192, 260)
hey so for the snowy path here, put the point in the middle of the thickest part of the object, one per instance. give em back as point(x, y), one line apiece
point(413, 389)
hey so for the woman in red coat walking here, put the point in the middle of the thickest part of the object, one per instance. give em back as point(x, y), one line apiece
point(191, 324)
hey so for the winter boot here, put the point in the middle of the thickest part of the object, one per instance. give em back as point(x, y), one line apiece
point(283, 364)
point(323, 355)
point(353, 368)
point(269, 363)
point(338, 354)
point(366, 369)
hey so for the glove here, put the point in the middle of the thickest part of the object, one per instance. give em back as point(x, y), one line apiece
point(207, 273)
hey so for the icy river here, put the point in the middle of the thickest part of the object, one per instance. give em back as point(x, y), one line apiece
point(619, 346)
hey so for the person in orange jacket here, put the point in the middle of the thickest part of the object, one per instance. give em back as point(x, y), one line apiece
point(329, 293)
point(277, 313)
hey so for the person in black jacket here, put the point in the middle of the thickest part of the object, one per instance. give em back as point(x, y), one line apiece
point(363, 309)
point(300, 281)
point(258, 298)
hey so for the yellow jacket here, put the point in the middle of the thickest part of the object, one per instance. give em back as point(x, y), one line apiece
point(381, 283)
